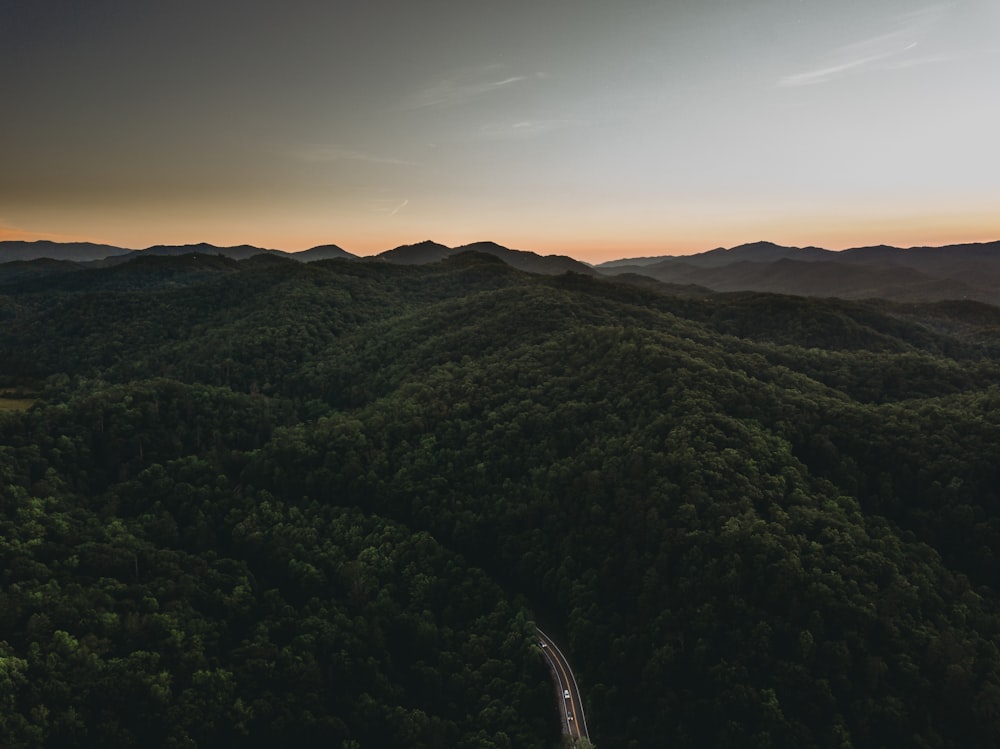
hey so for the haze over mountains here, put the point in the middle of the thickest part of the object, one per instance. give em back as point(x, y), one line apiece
point(961, 271)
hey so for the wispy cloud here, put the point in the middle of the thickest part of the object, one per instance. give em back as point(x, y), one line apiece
point(891, 49)
point(466, 86)
point(321, 154)
point(522, 128)
point(384, 206)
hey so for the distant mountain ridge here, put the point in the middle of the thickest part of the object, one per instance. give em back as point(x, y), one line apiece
point(87, 252)
point(413, 254)
point(239, 252)
point(960, 271)
point(43, 248)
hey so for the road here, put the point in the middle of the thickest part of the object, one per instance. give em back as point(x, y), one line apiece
point(568, 693)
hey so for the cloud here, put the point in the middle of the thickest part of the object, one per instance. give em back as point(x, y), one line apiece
point(385, 206)
point(464, 87)
point(322, 154)
point(889, 50)
point(522, 128)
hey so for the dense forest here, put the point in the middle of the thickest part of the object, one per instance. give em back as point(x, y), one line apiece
point(325, 504)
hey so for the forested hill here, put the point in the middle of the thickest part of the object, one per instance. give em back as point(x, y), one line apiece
point(323, 504)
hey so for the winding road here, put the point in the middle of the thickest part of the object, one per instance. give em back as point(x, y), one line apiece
point(568, 693)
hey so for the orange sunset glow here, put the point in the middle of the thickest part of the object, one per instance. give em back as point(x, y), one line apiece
point(575, 129)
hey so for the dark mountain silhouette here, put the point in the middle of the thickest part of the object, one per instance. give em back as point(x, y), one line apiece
point(966, 271)
point(758, 252)
point(43, 248)
point(322, 252)
point(243, 252)
point(961, 271)
point(977, 264)
point(528, 261)
point(239, 252)
point(832, 279)
point(754, 252)
point(85, 252)
point(531, 262)
point(635, 262)
point(933, 256)
point(416, 254)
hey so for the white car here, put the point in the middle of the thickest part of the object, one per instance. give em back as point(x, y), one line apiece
point(565, 694)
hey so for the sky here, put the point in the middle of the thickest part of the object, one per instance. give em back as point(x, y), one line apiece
point(589, 128)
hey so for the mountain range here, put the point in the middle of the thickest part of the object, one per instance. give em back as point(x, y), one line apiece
point(411, 254)
point(960, 271)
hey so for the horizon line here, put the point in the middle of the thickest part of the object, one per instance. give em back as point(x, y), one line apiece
point(497, 244)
